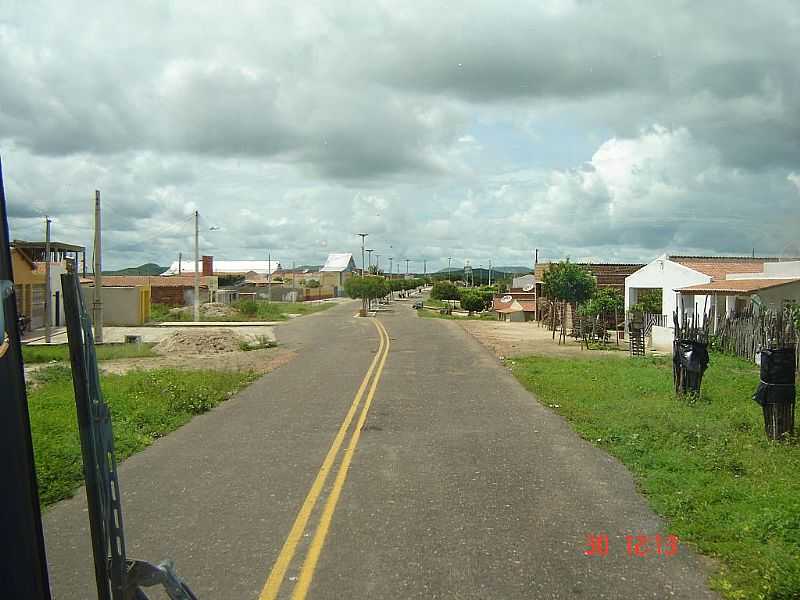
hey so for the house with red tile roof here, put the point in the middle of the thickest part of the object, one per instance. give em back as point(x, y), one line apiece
point(719, 283)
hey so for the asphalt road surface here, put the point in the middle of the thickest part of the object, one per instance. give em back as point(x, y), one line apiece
point(393, 458)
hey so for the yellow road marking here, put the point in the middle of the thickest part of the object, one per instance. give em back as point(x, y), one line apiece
point(315, 549)
point(276, 576)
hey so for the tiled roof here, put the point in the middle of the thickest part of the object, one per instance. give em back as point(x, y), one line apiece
point(736, 286)
point(718, 267)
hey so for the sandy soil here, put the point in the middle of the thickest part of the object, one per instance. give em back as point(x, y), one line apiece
point(258, 361)
point(526, 339)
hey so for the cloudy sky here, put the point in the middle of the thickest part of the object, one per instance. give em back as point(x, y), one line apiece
point(477, 130)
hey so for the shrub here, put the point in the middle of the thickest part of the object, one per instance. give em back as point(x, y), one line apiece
point(444, 290)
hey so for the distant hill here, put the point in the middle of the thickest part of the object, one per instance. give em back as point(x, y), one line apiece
point(513, 269)
point(506, 270)
point(146, 269)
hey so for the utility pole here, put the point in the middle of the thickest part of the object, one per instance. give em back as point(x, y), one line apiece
point(98, 272)
point(363, 237)
point(196, 265)
point(424, 268)
point(449, 276)
point(490, 272)
point(180, 260)
point(269, 277)
point(377, 264)
point(369, 259)
point(406, 267)
point(390, 267)
point(47, 288)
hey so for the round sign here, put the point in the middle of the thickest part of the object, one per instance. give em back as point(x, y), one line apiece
point(506, 298)
point(527, 288)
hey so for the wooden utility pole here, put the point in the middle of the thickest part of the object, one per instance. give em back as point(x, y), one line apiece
point(97, 315)
point(180, 260)
point(47, 287)
point(196, 265)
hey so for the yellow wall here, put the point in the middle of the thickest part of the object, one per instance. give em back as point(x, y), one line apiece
point(22, 270)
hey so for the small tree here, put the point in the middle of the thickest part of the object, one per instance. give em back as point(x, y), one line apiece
point(311, 283)
point(444, 290)
point(567, 283)
point(651, 301)
point(367, 289)
point(472, 302)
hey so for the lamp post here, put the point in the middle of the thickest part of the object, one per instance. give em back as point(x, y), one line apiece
point(449, 276)
point(363, 237)
point(369, 258)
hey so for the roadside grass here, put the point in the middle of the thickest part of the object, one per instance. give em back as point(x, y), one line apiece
point(43, 354)
point(247, 310)
point(434, 314)
point(145, 405)
point(705, 464)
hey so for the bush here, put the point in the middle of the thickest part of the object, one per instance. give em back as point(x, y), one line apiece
point(472, 302)
point(444, 290)
point(247, 307)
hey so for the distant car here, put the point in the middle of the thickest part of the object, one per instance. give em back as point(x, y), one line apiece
point(418, 304)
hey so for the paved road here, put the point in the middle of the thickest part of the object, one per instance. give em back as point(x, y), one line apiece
point(455, 484)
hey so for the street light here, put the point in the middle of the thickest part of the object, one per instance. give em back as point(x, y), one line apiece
point(363, 237)
point(369, 258)
point(449, 276)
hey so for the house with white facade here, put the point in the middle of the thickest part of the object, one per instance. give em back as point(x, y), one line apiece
point(338, 268)
point(711, 285)
point(669, 273)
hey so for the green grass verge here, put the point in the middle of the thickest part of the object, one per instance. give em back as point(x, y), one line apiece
point(706, 465)
point(43, 354)
point(434, 314)
point(145, 405)
point(249, 310)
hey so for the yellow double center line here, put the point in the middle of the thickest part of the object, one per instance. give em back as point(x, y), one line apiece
point(279, 569)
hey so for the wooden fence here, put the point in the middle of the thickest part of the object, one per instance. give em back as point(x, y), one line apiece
point(746, 333)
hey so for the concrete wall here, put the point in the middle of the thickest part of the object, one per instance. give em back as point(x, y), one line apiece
point(121, 305)
point(778, 296)
point(661, 338)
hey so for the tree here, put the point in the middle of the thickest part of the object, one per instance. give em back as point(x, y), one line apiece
point(472, 302)
point(567, 283)
point(367, 289)
point(444, 290)
point(650, 301)
point(604, 301)
point(311, 283)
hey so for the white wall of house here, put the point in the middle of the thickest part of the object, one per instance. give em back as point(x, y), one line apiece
point(772, 270)
point(779, 295)
point(665, 275)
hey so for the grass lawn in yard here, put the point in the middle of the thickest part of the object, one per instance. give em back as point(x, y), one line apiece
point(705, 465)
point(60, 352)
point(145, 405)
point(246, 310)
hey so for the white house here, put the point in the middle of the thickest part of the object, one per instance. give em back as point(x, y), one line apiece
point(209, 266)
point(711, 285)
point(669, 273)
point(776, 285)
point(337, 269)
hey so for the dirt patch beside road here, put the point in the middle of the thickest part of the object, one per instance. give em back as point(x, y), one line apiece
point(258, 361)
point(526, 339)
